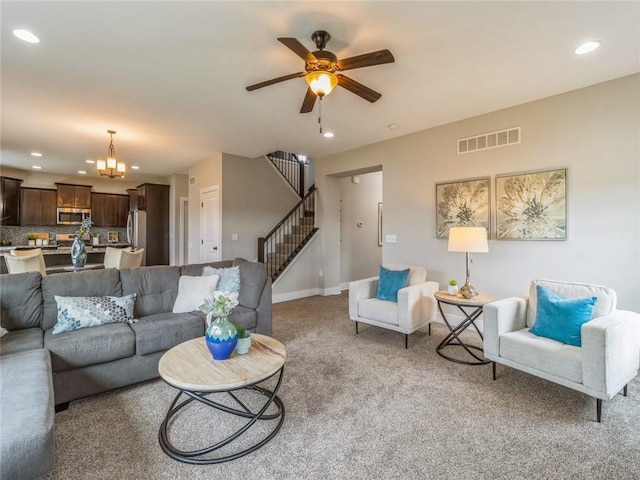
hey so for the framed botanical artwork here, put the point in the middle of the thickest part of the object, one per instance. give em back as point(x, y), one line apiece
point(532, 206)
point(463, 203)
point(113, 237)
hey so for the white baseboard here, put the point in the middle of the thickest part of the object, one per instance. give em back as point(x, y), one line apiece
point(285, 297)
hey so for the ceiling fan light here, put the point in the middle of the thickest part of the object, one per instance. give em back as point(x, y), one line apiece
point(321, 83)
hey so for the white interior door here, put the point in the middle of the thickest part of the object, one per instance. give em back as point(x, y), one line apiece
point(210, 225)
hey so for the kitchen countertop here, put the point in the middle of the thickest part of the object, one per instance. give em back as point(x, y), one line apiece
point(56, 250)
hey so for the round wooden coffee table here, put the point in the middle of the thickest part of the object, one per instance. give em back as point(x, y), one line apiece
point(190, 368)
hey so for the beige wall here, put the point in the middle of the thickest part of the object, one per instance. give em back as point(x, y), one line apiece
point(255, 199)
point(593, 132)
point(360, 255)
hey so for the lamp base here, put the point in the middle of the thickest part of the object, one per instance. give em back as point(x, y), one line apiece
point(467, 290)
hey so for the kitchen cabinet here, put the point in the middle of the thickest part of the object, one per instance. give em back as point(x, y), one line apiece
point(73, 196)
point(38, 207)
point(10, 201)
point(109, 209)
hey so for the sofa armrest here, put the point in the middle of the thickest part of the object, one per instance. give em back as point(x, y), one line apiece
point(361, 290)
point(264, 315)
point(416, 304)
point(502, 316)
point(610, 351)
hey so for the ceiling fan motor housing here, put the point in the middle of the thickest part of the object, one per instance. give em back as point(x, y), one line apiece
point(327, 61)
point(320, 38)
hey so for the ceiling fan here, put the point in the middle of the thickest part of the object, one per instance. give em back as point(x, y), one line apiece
point(322, 70)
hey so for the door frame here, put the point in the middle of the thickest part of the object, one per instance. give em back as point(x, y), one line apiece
point(183, 234)
point(203, 191)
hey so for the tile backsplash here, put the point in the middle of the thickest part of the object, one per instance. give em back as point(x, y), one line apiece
point(18, 235)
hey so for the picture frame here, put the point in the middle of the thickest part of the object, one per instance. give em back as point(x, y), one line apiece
point(113, 237)
point(532, 205)
point(463, 203)
point(379, 224)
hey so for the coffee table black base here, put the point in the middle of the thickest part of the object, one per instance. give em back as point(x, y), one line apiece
point(195, 457)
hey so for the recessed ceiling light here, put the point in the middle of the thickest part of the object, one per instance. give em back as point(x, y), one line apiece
point(26, 35)
point(587, 47)
point(36, 154)
point(82, 172)
point(328, 134)
point(36, 167)
point(135, 167)
point(90, 161)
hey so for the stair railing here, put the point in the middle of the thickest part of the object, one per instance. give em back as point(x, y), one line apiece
point(291, 168)
point(280, 246)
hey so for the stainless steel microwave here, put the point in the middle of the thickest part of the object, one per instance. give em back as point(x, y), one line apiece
point(73, 216)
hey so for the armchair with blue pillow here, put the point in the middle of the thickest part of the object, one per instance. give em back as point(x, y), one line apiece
point(400, 298)
point(569, 333)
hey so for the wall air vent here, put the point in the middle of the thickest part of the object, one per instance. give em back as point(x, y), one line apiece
point(501, 138)
point(192, 181)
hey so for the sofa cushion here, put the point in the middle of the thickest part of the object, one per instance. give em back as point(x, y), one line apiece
point(542, 354)
point(157, 333)
point(83, 312)
point(20, 300)
point(193, 291)
point(243, 316)
point(27, 415)
point(559, 318)
point(20, 340)
point(93, 283)
point(90, 346)
point(379, 310)
point(607, 298)
point(156, 287)
point(229, 278)
point(195, 269)
point(253, 277)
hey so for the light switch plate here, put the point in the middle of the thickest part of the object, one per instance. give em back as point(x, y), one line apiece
point(391, 238)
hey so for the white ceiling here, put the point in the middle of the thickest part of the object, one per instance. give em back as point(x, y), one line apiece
point(170, 77)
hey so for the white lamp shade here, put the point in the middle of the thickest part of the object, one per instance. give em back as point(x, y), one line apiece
point(101, 164)
point(468, 239)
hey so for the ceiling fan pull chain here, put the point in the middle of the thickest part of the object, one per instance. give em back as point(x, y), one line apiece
point(320, 115)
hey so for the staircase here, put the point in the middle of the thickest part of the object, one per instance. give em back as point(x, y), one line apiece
point(280, 246)
point(291, 167)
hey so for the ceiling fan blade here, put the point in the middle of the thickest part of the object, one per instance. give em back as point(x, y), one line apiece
point(358, 88)
point(308, 102)
point(294, 45)
point(366, 60)
point(275, 80)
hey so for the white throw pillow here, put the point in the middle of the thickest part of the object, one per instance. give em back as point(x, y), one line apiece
point(192, 291)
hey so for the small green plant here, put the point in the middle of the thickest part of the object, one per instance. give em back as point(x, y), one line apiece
point(453, 282)
point(31, 236)
point(243, 332)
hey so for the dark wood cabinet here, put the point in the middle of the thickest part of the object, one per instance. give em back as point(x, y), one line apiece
point(10, 201)
point(38, 207)
point(73, 196)
point(109, 209)
point(155, 201)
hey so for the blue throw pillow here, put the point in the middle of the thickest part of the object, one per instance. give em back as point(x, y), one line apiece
point(83, 312)
point(561, 318)
point(229, 278)
point(389, 282)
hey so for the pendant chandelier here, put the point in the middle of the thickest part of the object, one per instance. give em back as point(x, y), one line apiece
point(111, 168)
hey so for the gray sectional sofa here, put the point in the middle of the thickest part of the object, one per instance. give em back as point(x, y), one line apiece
point(41, 372)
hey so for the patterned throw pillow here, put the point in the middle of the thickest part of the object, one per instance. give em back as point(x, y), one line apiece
point(82, 312)
point(229, 278)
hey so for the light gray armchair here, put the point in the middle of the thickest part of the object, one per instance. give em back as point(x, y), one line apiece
point(607, 360)
point(416, 306)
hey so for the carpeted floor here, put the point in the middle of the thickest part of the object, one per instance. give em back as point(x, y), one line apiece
point(363, 407)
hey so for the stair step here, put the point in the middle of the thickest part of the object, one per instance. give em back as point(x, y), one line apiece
point(301, 229)
point(294, 238)
point(306, 221)
point(286, 247)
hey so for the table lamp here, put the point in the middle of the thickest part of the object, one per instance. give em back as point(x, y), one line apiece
point(468, 240)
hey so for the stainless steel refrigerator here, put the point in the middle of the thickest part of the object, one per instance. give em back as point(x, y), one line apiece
point(137, 232)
